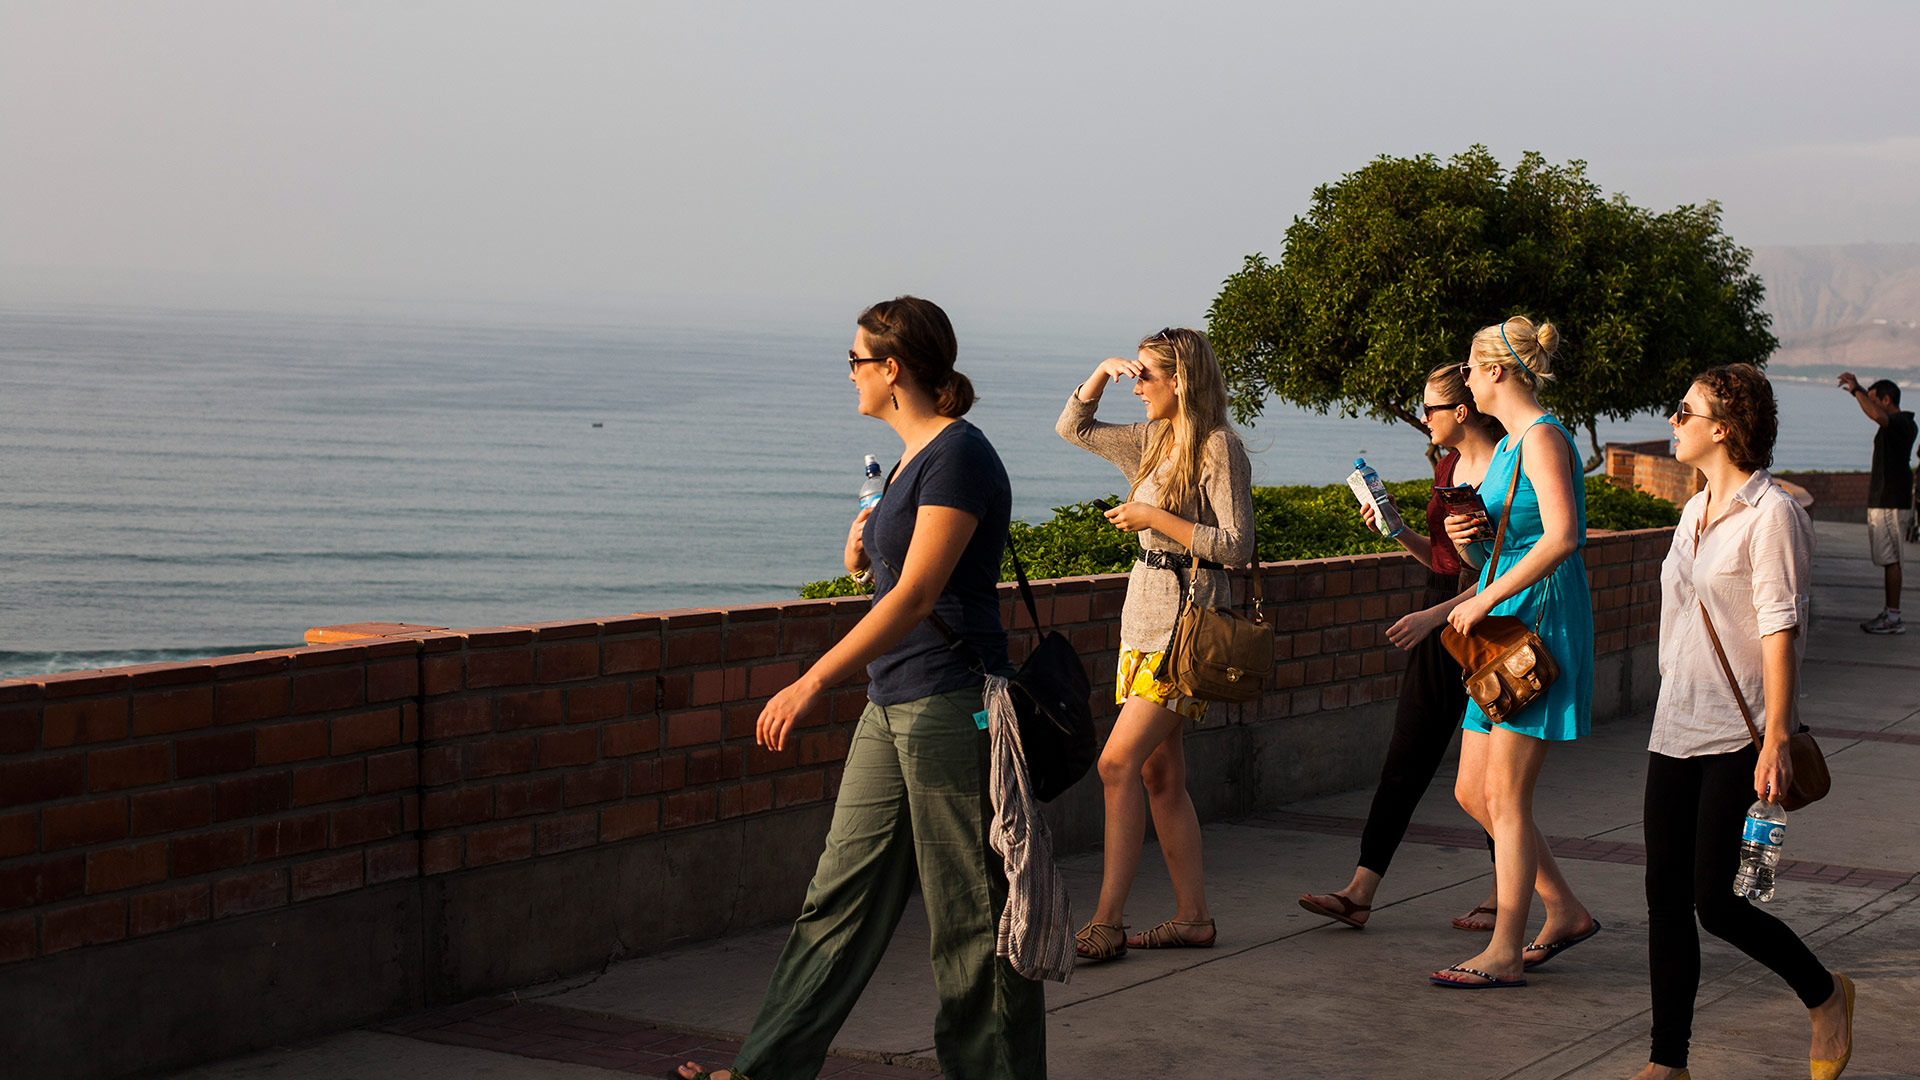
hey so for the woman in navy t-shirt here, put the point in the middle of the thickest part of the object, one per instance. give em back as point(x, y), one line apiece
point(913, 806)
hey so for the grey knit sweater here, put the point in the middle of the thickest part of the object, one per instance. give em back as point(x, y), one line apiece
point(1223, 531)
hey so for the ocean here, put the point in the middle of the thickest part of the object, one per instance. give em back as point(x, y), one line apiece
point(191, 483)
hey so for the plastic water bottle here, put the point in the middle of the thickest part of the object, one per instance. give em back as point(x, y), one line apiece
point(1368, 489)
point(1760, 841)
point(874, 487)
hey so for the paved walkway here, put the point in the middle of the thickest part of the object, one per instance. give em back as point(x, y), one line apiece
point(1289, 994)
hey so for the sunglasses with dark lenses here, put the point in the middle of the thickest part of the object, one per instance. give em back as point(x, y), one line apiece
point(1682, 414)
point(854, 362)
point(1427, 411)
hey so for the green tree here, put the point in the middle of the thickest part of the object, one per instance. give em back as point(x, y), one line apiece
point(1396, 266)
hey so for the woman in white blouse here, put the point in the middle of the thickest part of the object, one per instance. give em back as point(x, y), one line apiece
point(1741, 553)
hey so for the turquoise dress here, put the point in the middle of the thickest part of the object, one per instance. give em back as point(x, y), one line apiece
point(1558, 606)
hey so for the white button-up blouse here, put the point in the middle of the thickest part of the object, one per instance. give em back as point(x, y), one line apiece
point(1752, 569)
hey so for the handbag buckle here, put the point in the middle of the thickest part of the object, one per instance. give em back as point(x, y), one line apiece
point(1234, 673)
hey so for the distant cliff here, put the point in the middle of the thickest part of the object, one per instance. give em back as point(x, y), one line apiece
point(1841, 306)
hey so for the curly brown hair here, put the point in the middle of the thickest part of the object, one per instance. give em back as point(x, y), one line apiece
point(1742, 402)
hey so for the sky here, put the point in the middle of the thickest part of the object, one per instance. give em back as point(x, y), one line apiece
point(1110, 158)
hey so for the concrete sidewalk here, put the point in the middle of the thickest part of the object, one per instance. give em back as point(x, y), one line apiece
point(1290, 994)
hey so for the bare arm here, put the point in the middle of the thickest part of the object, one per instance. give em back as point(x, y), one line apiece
point(1863, 399)
point(1547, 461)
point(1780, 674)
point(940, 535)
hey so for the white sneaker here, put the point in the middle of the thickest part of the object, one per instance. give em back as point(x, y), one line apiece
point(1884, 623)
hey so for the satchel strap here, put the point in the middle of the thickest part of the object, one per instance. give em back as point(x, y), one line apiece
point(957, 644)
point(1740, 699)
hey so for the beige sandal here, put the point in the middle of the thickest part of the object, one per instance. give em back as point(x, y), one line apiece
point(1167, 936)
point(1100, 941)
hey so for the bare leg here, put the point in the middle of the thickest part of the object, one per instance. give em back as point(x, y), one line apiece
point(1178, 826)
point(1830, 1025)
point(1497, 774)
point(1140, 729)
point(1893, 586)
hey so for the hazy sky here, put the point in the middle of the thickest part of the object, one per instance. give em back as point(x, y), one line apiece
point(1091, 157)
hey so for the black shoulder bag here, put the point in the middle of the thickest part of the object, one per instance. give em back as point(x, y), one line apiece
point(1050, 696)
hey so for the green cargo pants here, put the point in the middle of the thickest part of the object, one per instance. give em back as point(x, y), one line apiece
point(913, 805)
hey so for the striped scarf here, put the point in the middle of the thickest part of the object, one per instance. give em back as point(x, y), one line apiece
point(1036, 925)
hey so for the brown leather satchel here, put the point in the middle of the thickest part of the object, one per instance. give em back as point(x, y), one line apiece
point(1808, 781)
point(1504, 664)
point(1219, 654)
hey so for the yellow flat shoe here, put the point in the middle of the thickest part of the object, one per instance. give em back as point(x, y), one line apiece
point(1830, 1070)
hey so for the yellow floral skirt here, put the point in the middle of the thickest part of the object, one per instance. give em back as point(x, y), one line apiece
point(1135, 678)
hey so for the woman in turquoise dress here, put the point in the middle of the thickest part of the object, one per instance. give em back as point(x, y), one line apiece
point(1542, 579)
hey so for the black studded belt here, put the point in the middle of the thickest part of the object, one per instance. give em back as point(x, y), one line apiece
point(1177, 560)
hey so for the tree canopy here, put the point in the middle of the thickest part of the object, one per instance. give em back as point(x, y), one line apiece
point(1396, 266)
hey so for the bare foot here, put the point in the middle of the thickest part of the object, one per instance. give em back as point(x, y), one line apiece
point(1508, 970)
point(1356, 909)
point(1551, 941)
point(1482, 916)
point(1657, 1072)
point(694, 1069)
point(1830, 1036)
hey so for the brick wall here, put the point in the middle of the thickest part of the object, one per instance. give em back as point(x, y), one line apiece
point(144, 804)
point(1650, 467)
point(1833, 490)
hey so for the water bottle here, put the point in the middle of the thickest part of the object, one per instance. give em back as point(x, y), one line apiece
point(1369, 490)
point(874, 487)
point(1760, 842)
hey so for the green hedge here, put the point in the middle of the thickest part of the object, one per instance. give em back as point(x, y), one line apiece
point(1294, 522)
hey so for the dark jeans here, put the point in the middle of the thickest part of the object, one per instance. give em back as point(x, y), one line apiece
point(1694, 810)
point(1431, 702)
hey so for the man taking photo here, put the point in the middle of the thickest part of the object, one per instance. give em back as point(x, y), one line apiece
point(1889, 490)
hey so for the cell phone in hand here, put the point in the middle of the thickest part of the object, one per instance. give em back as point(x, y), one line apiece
point(1462, 499)
point(1102, 505)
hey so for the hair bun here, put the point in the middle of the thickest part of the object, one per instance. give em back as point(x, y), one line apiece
point(1547, 338)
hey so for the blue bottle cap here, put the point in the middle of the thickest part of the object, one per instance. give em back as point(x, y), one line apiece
point(1359, 463)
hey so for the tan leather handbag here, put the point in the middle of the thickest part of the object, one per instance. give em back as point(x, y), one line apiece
point(1218, 654)
point(1504, 664)
point(1809, 780)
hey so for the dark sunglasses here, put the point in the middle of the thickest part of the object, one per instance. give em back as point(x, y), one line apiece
point(854, 362)
point(1682, 414)
point(1427, 411)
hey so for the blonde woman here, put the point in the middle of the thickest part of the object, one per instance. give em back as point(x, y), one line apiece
point(1192, 506)
point(1542, 580)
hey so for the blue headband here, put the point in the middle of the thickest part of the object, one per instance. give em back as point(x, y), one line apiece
point(1510, 352)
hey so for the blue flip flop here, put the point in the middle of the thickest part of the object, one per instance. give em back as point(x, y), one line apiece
point(1559, 947)
point(1491, 983)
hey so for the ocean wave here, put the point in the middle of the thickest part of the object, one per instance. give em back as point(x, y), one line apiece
point(26, 664)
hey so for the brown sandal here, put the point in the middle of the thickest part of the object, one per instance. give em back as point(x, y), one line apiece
point(1345, 914)
point(1100, 941)
point(1465, 922)
point(1167, 936)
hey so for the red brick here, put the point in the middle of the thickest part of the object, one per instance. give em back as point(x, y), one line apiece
point(325, 877)
point(606, 783)
point(73, 684)
point(128, 766)
point(746, 799)
point(497, 757)
point(365, 731)
point(590, 703)
point(650, 775)
point(626, 656)
point(83, 823)
point(169, 711)
point(19, 834)
point(19, 729)
point(798, 788)
point(693, 728)
point(392, 680)
point(708, 766)
point(539, 795)
point(331, 782)
point(440, 674)
point(290, 836)
point(19, 939)
point(249, 700)
point(392, 771)
point(44, 780)
point(328, 689)
point(252, 796)
point(769, 679)
point(392, 862)
point(30, 884)
point(193, 855)
point(169, 909)
point(171, 810)
point(570, 662)
point(440, 854)
point(301, 740)
point(125, 867)
point(462, 806)
point(752, 641)
point(812, 636)
point(439, 765)
point(567, 833)
point(504, 844)
point(687, 809)
point(366, 824)
point(499, 667)
point(542, 708)
point(258, 891)
point(629, 820)
point(65, 723)
point(569, 748)
point(206, 755)
point(88, 924)
point(460, 716)
point(697, 647)
point(707, 688)
point(633, 737)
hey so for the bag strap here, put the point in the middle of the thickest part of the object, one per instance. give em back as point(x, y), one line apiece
point(1739, 698)
point(957, 644)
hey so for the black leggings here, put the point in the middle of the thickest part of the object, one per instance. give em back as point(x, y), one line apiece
point(1432, 700)
point(1694, 810)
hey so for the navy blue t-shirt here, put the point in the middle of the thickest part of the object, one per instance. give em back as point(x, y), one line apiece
point(958, 469)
